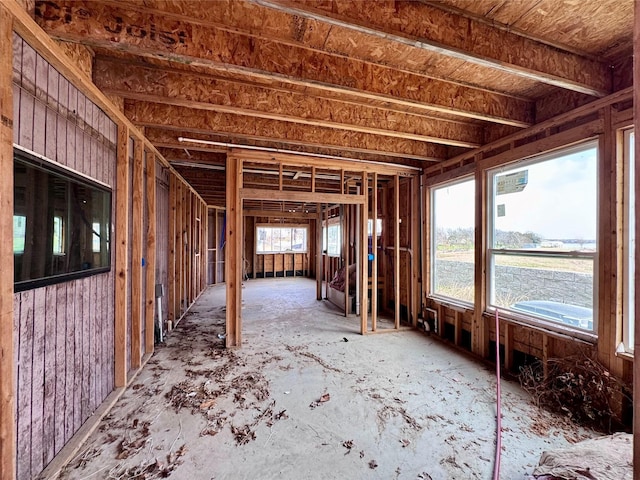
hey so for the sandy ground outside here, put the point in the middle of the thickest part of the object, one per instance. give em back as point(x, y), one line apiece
point(307, 397)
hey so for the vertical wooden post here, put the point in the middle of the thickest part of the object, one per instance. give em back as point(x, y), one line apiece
point(179, 249)
point(387, 225)
point(327, 271)
point(364, 255)
point(346, 233)
point(151, 254)
point(374, 249)
point(122, 255)
point(457, 323)
point(188, 248)
point(636, 362)
point(7, 360)
point(203, 245)
point(396, 248)
point(426, 244)
point(136, 253)
point(609, 268)
point(479, 343)
point(171, 273)
point(319, 275)
point(507, 329)
point(233, 263)
point(416, 258)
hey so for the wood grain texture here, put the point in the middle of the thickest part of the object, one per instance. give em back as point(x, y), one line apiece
point(188, 120)
point(152, 247)
point(272, 60)
point(208, 92)
point(122, 261)
point(477, 43)
point(172, 245)
point(8, 355)
point(137, 294)
point(233, 260)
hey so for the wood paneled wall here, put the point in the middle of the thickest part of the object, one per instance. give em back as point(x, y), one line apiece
point(69, 348)
point(64, 333)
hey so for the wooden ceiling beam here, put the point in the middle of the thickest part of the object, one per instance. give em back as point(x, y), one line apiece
point(425, 26)
point(180, 88)
point(165, 37)
point(166, 139)
point(188, 120)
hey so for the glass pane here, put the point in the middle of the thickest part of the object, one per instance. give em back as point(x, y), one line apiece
point(19, 232)
point(452, 264)
point(555, 289)
point(299, 240)
point(281, 239)
point(61, 224)
point(57, 235)
point(334, 240)
point(549, 205)
point(630, 201)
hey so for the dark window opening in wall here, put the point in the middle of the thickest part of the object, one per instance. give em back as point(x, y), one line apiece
point(61, 224)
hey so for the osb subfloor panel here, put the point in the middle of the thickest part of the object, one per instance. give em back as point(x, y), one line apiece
point(307, 397)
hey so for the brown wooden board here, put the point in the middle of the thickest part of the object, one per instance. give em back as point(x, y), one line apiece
point(9, 308)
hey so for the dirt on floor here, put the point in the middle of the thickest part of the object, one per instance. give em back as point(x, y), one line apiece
point(308, 397)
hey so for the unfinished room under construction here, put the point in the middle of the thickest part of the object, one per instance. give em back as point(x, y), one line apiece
point(320, 239)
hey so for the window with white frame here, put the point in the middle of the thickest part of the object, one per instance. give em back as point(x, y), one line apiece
point(629, 240)
point(281, 239)
point(332, 239)
point(452, 240)
point(542, 238)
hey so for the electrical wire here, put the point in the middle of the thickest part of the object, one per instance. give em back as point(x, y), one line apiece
point(496, 468)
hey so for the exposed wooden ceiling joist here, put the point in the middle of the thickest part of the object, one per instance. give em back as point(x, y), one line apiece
point(176, 87)
point(168, 141)
point(473, 41)
point(200, 121)
point(190, 42)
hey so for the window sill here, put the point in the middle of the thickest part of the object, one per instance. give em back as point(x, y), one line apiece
point(625, 356)
point(548, 328)
point(451, 303)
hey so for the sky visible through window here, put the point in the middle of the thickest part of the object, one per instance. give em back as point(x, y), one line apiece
point(558, 202)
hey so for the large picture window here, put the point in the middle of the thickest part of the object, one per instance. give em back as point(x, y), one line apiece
point(61, 224)
point(452, 241)
point(281, 239)
point(542, 237)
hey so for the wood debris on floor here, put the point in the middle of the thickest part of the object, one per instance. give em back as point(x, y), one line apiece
point(291, 404)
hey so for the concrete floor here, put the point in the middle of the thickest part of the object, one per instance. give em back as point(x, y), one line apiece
point(307, 397)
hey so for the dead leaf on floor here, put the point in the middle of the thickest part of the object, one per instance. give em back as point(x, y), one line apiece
point(373, 464)
point(281, 416)
point(207, 404)
point(348, 444)
point(243, 435)
point(323, 399)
